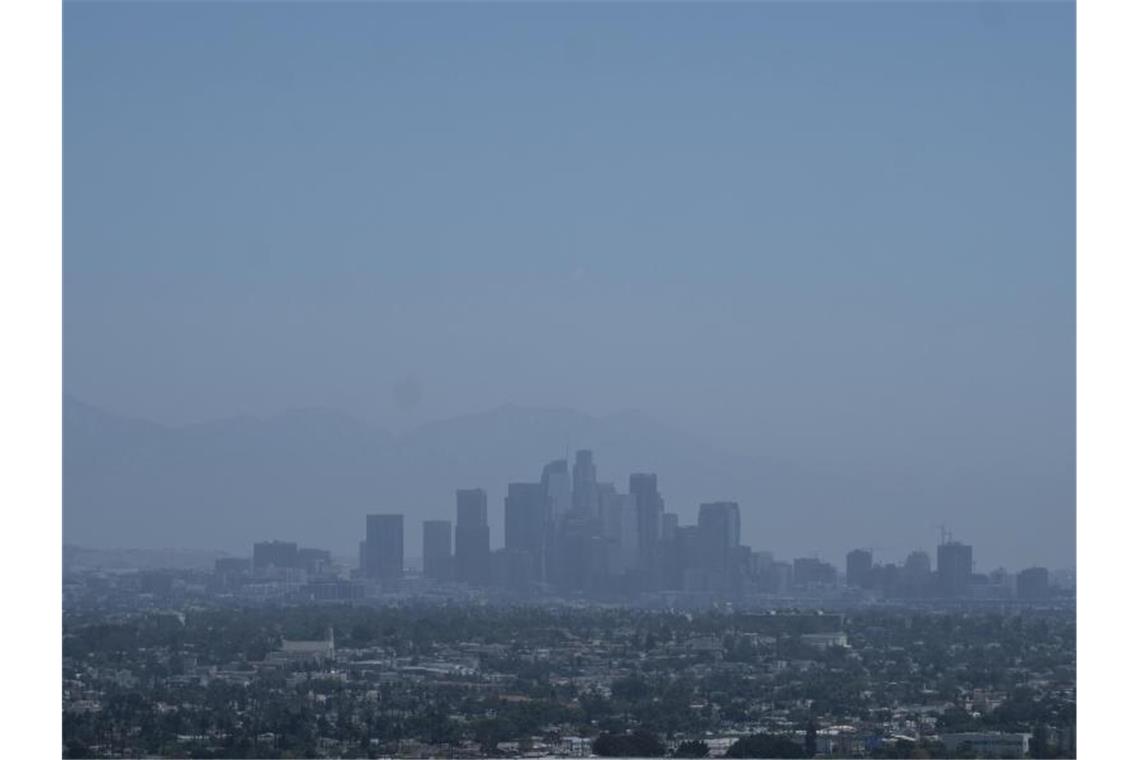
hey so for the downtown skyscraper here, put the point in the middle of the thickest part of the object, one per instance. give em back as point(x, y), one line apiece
point(649, 507)
point(382, 553)
point(437, 549)
point(472, 537)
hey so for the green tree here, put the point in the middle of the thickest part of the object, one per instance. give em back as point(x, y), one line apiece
point(637, 744)
point(764, 746)
point(691, 748)
point(810, 739)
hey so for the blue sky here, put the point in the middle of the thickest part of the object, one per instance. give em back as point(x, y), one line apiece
point(836, 233)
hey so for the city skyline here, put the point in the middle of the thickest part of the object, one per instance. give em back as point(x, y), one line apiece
point(836, 239)
point(897, 549)
point(538, 517)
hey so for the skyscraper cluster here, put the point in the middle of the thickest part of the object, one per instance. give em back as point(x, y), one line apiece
point(568, 532)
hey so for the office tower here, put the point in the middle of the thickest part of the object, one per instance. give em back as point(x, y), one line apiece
point(559, 501)
point(584, 495)
point(1033, 584)
point(472, 537)
point(686, 570)
point(719, 525)
point(671, 570)
point(525, 526)
point(916, 576)
point(859, 568)
point(384, 548)
point(279, 554)
point(572, 556)
point(886, 579)
point(607, 500)
point(619, 528)
point(650, 506)
point(720, 522)
point(955, 568)
point(437, 549)
point(557, 489)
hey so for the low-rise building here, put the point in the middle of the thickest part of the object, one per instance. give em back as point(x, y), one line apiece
point(319, 650)
point(988, 744)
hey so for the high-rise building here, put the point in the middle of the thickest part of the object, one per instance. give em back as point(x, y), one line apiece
point(573, 568)
point(619, 528)
point(650, 506)
point(740, 569)
point(584, 495)
point(557, 488)
point(1033, 584)
point(525, 526)
point(885, 578)
point(859, 568)
point(437, 549)
point(719, 525)
point(720, 522)
point(916, 575)
point(384, 548)
point(279, 554)
point(686, 570)
point(472, 537)
point(672, 571)
point(955, 568)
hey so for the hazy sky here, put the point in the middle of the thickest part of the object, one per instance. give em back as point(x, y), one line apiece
point(841, 233)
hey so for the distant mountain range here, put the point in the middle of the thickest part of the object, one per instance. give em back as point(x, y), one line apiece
point(312, 475)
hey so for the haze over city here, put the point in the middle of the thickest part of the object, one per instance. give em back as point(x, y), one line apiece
point(569, 380)
point(817, 262)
